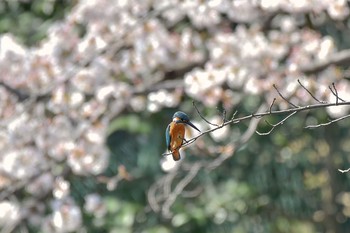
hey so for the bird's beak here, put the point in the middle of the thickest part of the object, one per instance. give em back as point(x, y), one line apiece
point(192, 125)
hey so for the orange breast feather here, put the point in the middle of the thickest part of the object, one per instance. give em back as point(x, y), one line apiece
point(177, 134)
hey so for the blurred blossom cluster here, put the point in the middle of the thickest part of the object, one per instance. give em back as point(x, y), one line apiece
point(109, 55)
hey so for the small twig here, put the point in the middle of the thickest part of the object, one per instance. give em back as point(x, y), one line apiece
point(273, 102)
point(284, 98)
point(328, 123)
point(200, 114)
point(234, 115)
point(330, 88)
point(339, 58)
point(266, 133)
point(335, 93)
point(343, 171)
point(267, 122)
point(319, 101)
point(18, 93)
point(223, 116)
point(275, 125)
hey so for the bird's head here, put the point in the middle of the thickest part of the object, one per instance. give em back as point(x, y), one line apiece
point(181, 117)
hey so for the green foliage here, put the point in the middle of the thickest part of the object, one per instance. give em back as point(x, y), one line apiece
point(29, 20)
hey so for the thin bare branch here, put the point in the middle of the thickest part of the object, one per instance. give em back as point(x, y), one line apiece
point(339, 58)
point(335, 93)
point(308, 91)
point(284, 98)
point(18, 93)
point(328, 123)
point(192, 193)
point(160, 190)
point(273, 102)
point(223, 116)
point(200, 114)
point(343, 171)
point(234, 115)
point(275, 125)
point(179, 188)
point(262, 114)
point(151, 197)
point(266, 133)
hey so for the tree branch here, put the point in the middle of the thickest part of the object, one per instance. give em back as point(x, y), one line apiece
point(179, 188)
point(284, 98)
point(262, 114)
point(18, 93)
point(340, 58)
point(328, 123)
point(344, 171)
point(312, 95)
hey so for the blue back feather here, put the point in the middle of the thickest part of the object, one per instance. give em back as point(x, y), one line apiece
point(167, 137)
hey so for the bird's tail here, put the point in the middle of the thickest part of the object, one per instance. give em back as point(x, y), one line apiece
point(176, 155)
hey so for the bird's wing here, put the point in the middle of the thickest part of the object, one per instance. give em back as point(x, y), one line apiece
point(168, 137)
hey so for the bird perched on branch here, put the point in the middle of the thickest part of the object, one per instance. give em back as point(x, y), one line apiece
point(175, 133)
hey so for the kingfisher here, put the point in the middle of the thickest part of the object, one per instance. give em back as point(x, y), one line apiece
point(175, 133)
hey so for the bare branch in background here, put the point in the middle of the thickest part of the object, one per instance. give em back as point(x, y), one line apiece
point(179, 188)
point(339, 58)
point(344, 171)
point(18, 93)
point(160, 190)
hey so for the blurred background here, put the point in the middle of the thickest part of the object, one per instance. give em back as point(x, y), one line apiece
point(87, 89)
